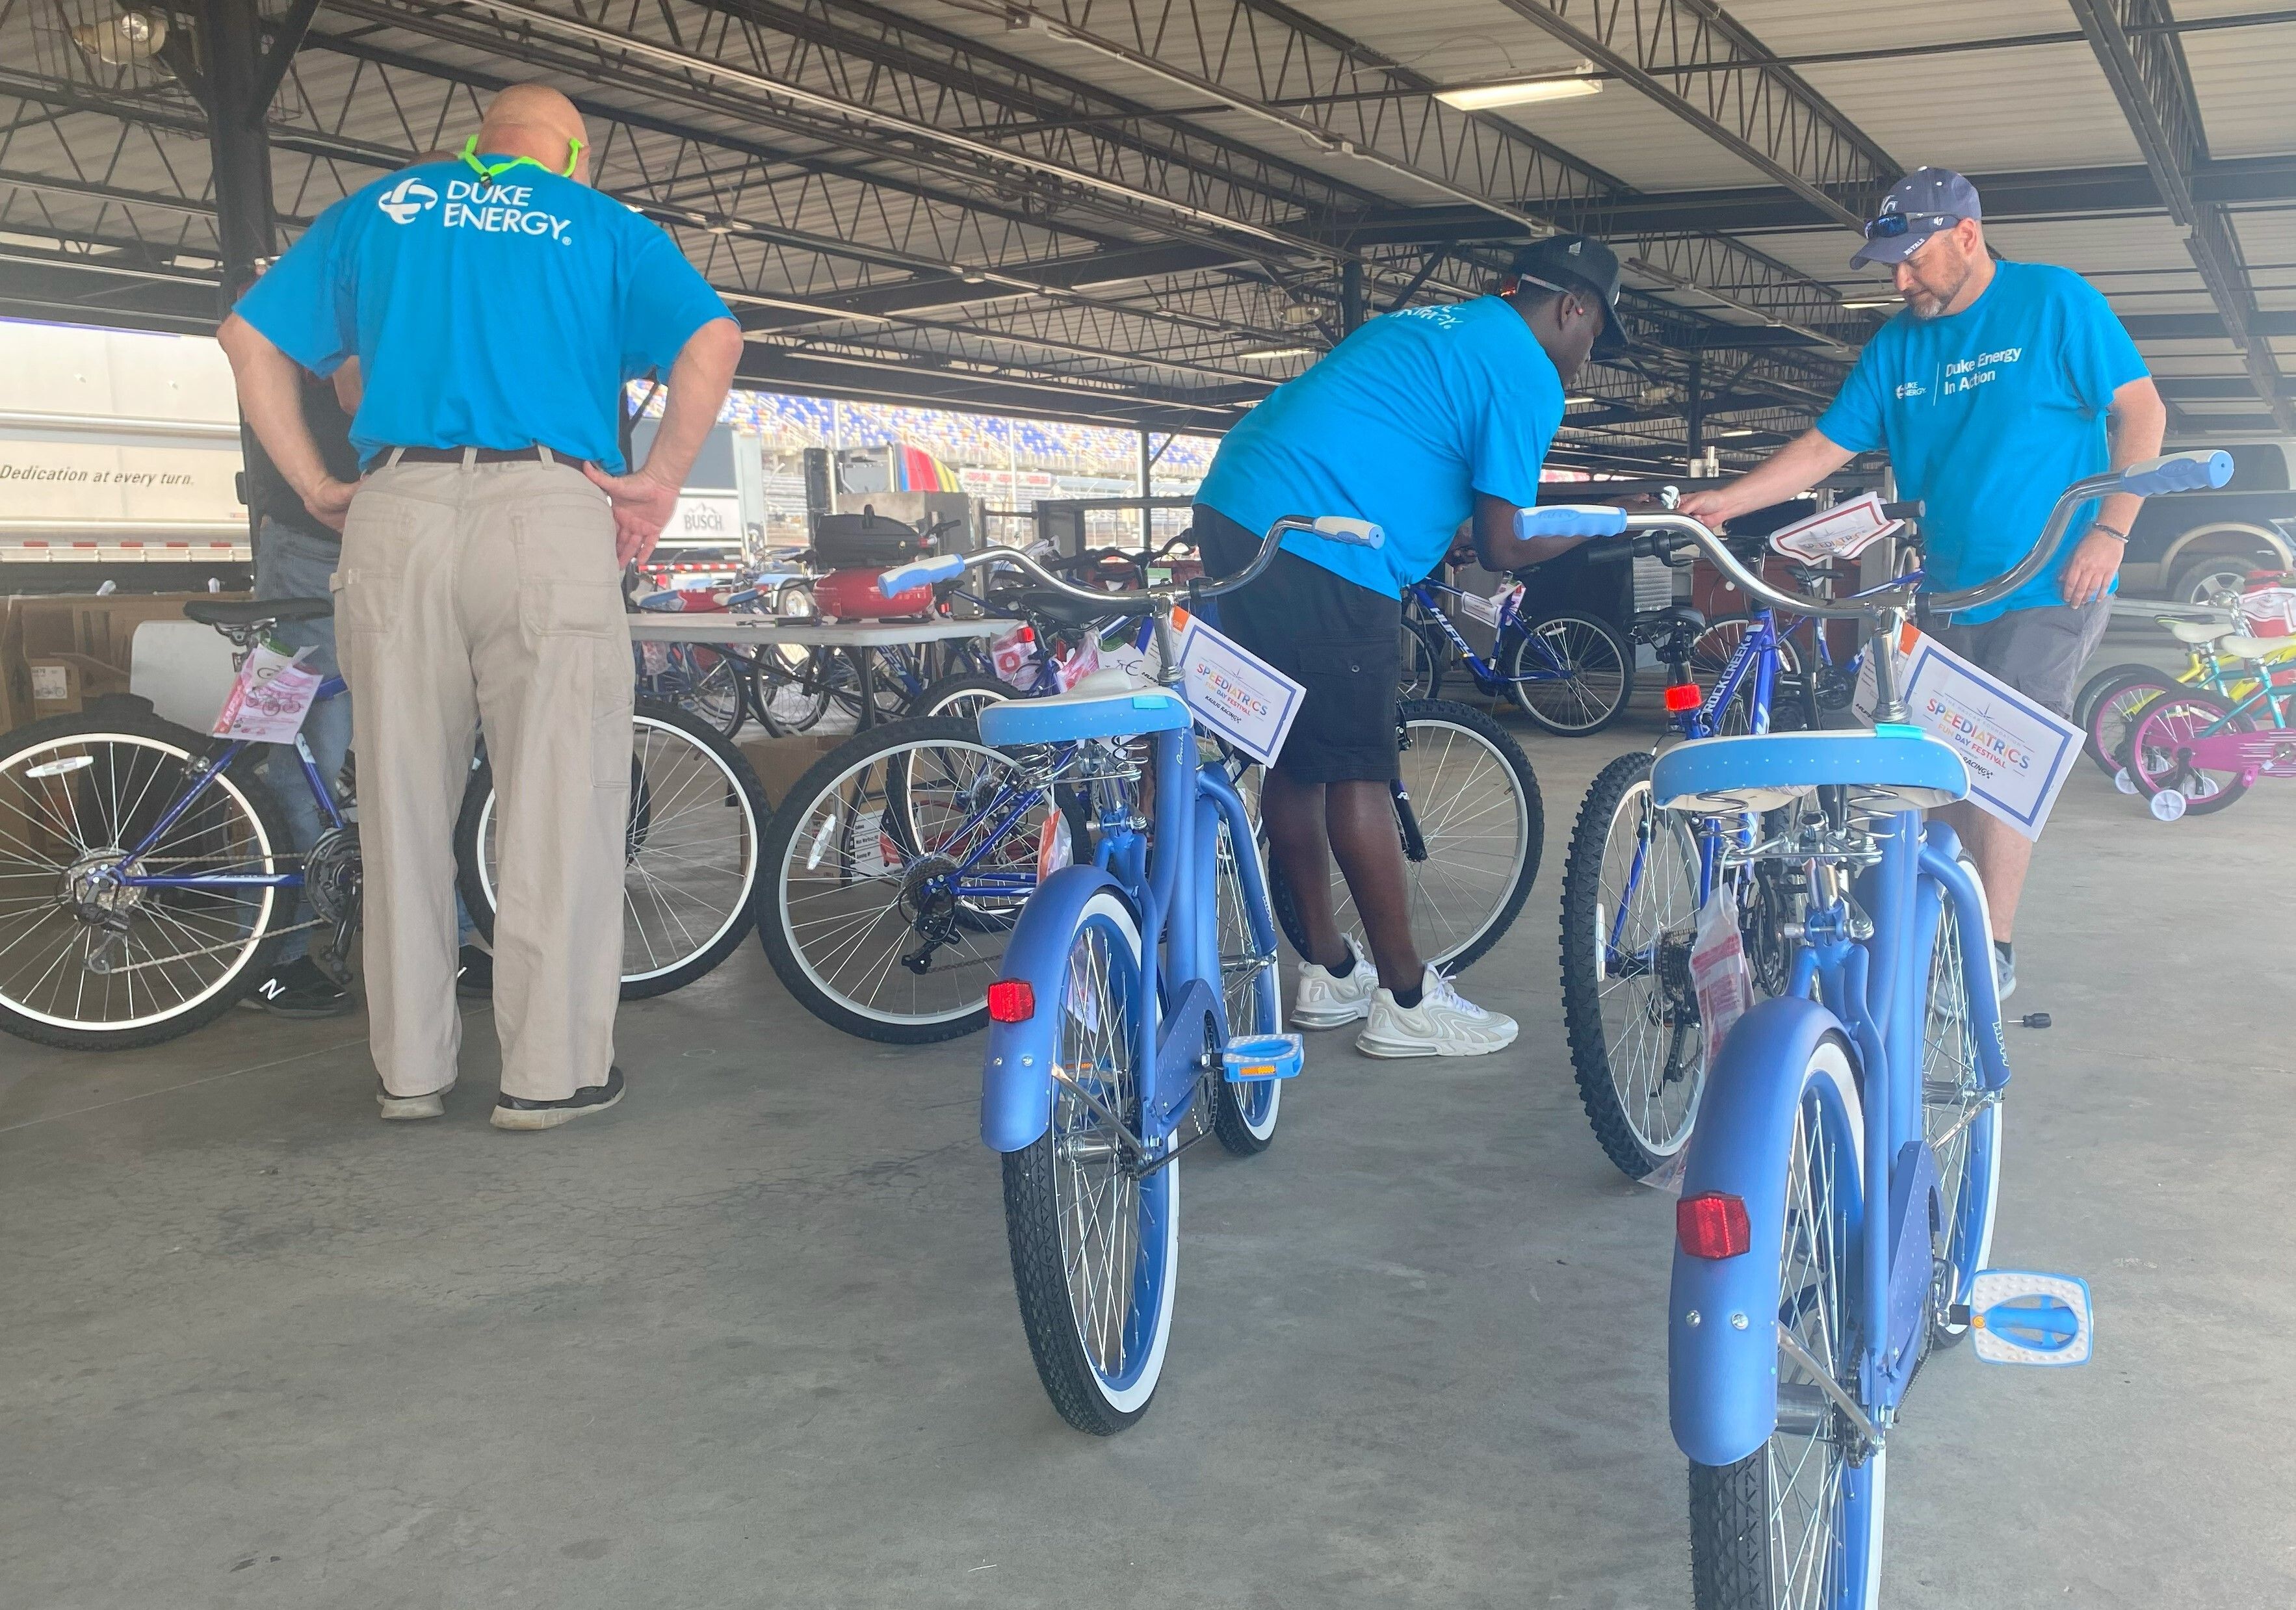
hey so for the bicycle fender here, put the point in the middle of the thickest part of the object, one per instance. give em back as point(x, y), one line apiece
point(1722, 1374)
point(1016, 1081)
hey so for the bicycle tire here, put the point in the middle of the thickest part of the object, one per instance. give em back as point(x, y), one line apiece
point(160, 749)
point(1600, 663)
point(1243, 1115)
point(1425, 653)
point(1431, 729)
point(2156, 734)
point(788, 698)
point(962, 695)
point(1744, 1545)
point(1591, 903)
point(2085, 699)
point(1099, 1353)
point(666, 798)
point(2111, 708)
point(1962, 1129)
point(874, 772)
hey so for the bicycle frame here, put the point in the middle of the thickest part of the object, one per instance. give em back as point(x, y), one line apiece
point(122, 874)
point(1168, 875)
point(1488, 678)
point(1873, 993)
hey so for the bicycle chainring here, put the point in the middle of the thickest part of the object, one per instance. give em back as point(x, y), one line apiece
point(332, 876)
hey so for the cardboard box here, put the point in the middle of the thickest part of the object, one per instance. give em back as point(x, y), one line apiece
point(780, 762)
point(62, 684)
point(98, 629)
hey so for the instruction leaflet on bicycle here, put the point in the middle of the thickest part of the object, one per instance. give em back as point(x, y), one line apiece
point(269, 698)
point(2018, 753)
point(1234, 694)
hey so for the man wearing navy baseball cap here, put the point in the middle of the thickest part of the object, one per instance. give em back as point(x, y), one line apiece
point(1422, 419)
point(1999, 386)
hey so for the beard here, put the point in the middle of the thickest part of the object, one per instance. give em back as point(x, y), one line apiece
point(1928, 304)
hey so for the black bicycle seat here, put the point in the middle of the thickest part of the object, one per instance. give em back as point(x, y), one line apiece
point(1059, 606)
point(1676, 617)
point(254, 611)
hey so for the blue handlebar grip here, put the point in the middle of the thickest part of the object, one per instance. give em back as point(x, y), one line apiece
point(2177, 473)
point(1340, 527)
point(920, 572)
point(1570, 519)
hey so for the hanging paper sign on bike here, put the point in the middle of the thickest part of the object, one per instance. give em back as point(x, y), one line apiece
point(1844, 531)
point(1232, 693)
point(2018, 753)
point(269, 698)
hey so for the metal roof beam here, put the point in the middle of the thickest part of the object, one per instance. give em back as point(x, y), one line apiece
point(2145, 66)
point(1693, 59)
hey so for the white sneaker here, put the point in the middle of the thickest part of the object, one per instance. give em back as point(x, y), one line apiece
point(1326, 1001)
point(1442, 1025)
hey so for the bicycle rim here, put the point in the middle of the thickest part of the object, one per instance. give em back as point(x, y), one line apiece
point(855, 887)
point(2159, 750)
point(1645, 914)
point(1248, 984)
point(73, 805)
point(1585, 681)
point(1117, 1243)
point(1962, 1127)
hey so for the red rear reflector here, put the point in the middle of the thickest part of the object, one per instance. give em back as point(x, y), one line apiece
point(1683, 696)
point(1712, 1224)
point(1015, 1001)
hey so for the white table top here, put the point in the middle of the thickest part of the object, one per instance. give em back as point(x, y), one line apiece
point(757, 631)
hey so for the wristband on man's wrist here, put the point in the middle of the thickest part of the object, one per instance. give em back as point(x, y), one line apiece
point(2114, 531)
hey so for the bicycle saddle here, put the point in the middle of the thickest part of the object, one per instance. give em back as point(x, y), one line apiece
point(1676, 617)
point(1104, 705)
point(256, 611)
point(1722, 776)
point(2243, 647)
point(2198, 632)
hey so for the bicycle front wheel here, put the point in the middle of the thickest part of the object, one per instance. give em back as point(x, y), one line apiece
point(1797, 1524)
point(1571, 673)
point(89, 964)
point(1472, 826)
point(966, 695)
point(1243, 1115)
point(2108, 703)
point(1094, 1238)
point(1959, 1119)
point(690, 855)
point(1630, 891)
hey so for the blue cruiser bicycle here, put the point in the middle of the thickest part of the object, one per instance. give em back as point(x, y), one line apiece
point(1137, 1011)
point(1842, 1182)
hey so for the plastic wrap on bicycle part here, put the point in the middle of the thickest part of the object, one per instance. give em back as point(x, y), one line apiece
point(1570, 519)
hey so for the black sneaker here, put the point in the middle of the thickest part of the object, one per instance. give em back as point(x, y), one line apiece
point(474, 973)
point(515, 1112)
point(300, 990)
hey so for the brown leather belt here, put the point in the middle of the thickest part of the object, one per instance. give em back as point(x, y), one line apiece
point(477, 456)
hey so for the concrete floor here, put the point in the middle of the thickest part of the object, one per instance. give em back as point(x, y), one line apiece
point(752, 1341)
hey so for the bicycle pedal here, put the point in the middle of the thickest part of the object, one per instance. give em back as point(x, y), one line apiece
point(2018, 1316)
point(1259, 1057)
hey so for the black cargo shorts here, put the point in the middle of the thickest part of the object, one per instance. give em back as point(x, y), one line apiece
point(1340, 641)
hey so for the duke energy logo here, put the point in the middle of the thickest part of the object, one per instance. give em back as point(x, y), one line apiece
point(406, 200)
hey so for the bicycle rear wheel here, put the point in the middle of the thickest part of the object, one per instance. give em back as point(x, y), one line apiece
point(1472, 827)
point(966, 695)
point(78, 794)
point(1424, 654)
point(1570, 673)
point(791, 687)
point(1243, 1115)
point(690, 851)
point(1630, 890)
point(1096, 1241)
point(895, 869)
point(1797, 1524)
point(2158, 752)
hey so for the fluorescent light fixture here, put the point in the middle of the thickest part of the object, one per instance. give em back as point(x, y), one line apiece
point(1278, 352)
point(1730, 435)
point(1519, 92)
point(1575, 399)
point(1891, 302)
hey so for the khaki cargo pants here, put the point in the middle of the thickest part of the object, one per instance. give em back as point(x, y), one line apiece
point(485, 596)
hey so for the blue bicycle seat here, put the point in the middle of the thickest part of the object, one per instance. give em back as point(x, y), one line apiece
point(1093, 709)
point(1721, 776)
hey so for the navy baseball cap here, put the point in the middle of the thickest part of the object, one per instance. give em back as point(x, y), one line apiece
point(1921, 203)
point(1578, 262)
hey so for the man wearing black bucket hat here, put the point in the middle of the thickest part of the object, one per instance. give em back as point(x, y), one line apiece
point(1422, 419)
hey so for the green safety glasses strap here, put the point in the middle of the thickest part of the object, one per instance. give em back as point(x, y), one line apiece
point(495, 170)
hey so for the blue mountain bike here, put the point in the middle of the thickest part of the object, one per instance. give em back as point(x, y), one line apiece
point(1841, 1187)
point(1136, 1013)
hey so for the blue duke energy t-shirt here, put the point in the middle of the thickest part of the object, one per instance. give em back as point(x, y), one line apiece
point(485, 312)
point(1401, 423)
point(1988, 415)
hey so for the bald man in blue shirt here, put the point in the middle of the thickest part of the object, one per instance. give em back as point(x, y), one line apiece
point(496, 304)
